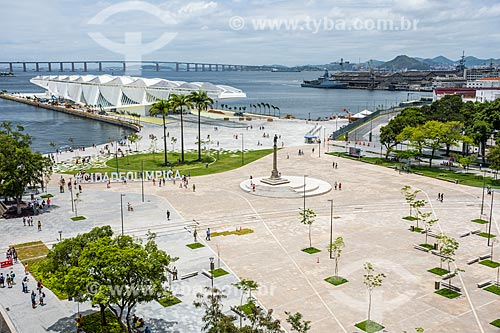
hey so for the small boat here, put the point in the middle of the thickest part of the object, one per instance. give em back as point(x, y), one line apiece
point(6, 74)
point(324, 82)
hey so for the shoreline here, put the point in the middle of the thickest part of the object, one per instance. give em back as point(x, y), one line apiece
point(82, 114)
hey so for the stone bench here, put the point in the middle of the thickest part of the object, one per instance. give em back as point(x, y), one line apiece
point(472, 261)
point(448, 276)
point(475, 232)
point(484, 284)
point(206, 273)
point(465, 234)
point(189, 275)
point(484, 256)
point(421, 248)
point(452, 287)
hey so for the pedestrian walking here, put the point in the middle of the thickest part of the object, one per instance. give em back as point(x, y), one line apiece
point(333, 165)
point(442, 197)
point(340, 186)
point(336, 164)
point(168, 215)
point(195, 235)
point(208, 234)
point(39, 225)
point(2, 281)
point(439, 196)
point(41, 298)
point(24, 221)
point(335, 185)
point(194, 188)
point(33, 299)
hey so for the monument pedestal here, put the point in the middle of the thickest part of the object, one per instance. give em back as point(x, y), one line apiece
point(275, 181)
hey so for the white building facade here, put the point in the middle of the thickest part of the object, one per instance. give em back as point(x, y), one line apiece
point(125, 92)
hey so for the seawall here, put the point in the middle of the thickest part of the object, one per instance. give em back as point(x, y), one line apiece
point(78, 113)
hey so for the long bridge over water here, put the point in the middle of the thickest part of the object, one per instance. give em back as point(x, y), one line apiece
point(101, 65)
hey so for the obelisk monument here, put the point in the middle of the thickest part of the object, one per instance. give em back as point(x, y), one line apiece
point(275, 178)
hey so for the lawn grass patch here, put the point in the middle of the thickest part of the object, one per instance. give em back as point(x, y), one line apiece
point(427, 246)
point(31, 250)
point(92, 323)
point(493, 289)
point(410, 218)
point(417, 229)
point(445, 292)
point(480, 221)
point(78, 218)
point(238, 232)
point(311, 250)
point(490, 263)
point(35, 267)
point(46, 196)
point(217, 162)
point(169, 301)
point(218, 272)
point(486, 235)
point(194, 246)
point(438, 271)
point(496, 323)
point(369, 326)
point(336, 280)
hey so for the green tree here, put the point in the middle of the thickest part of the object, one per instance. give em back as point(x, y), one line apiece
point(179, 102)
point(162, 107)
point(19, 166)
point(214, 320)
point(371, 282)
point(494, 157)
point(297, 322)
point(246, 286)
point(135, 138)
point(445, 109)
point(336, 249)
point(417, 205)
point(389, 134)
point(308, 216)
point(480, 132)
point(123, 273)
point(202, 102)
point(428, 223)
point(447, 248)
point(410, 195)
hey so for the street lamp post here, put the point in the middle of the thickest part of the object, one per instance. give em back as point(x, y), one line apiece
point(71, 191)
point(212, 268)
point(482, 200)
point(305, 193)
point(242, 151)
point(121, 209)
point(116, 156)
point(331, 226)
point(60, 235)
point(142, 179)
point(491, 213)
point(319, 148)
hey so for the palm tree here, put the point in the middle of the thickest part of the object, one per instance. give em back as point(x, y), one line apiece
point(162, 107)
point(202, 102)
point(178, 102)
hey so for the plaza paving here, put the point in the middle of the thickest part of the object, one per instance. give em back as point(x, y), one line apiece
point(368, 212)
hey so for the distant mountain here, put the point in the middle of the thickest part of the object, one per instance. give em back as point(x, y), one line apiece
point(403, 62)
point(473, 61)
point(443, 60)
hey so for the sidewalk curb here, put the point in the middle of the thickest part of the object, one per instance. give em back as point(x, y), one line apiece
point(7, 319)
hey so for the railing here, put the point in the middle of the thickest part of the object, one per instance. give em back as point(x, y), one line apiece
point(362, 121)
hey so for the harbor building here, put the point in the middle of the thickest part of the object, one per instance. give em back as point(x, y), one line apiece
point(125, 93)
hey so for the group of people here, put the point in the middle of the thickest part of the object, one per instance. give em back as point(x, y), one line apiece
point(8, 278)
point(28, 221)
point(337, 185)
point(139, 325)
point(440, 197)
point(11, 254)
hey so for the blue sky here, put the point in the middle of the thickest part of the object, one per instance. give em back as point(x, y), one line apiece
point(239, 32)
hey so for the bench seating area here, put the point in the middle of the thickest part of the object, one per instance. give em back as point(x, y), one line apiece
point(451, 287)
point(189, 275)
point(421, 248)
point(472, 261)
point(206, 273)
point(483, 284)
